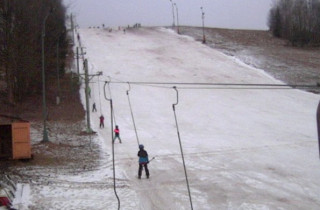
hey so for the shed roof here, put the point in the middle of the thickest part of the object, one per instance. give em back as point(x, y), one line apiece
point(8, 119)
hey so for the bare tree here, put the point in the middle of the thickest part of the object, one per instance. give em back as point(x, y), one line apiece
point(21, 24)
point(296, 20)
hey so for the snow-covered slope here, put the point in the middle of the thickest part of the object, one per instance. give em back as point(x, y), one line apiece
point(253, 149)
point(244, 148)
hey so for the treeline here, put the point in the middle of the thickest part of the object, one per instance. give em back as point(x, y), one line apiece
point(21, 30)
point(297, 21)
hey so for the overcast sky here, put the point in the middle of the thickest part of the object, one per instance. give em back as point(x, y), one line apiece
point(236, 14)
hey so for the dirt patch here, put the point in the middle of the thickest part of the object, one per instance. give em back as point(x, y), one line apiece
point(260, 49)
point(68, 151)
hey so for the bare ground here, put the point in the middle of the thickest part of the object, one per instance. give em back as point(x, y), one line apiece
point(69, 150)
point(292, 65)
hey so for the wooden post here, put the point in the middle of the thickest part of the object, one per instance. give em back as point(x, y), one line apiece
point(87, 95)
point(318, 125)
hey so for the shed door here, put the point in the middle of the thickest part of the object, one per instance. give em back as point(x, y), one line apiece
point(21, 140)
point(5, 141)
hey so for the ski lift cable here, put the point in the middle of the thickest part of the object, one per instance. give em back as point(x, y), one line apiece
point(258, 86)
point(134, 124)
point(224, 84)
point(236, 88)
point(225, 88)
point(318, 125)
point(99, 94)
point(113, 111)
point(155, 86)
point(181, 150)
point(113, 164)
point(150, 85)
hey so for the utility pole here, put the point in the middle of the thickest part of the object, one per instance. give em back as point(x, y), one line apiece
point(87, 78)
point(318, 125)
point(78, 71)
point(58, 66)
point(72, 27)
point(58, 75)
point(178, 31)
point(44, 104)
point(204, 37)
point(172, 13)
point(77, 57)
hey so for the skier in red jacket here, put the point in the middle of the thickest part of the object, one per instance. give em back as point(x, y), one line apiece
point(101, 121)
point(117, 134)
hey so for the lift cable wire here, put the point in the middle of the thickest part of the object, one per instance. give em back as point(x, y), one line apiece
point(150, 85)
point(184, 165)
point(226, 85)
point(99, 94)
point(222, 86)
point(236, 88)
point(114, 116)
point(155, 86)
point(134, 124)
point(113, 164)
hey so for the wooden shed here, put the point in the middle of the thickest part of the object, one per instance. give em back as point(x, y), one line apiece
point(15, 140)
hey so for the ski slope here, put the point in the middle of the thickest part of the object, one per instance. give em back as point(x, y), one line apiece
point(243, 148)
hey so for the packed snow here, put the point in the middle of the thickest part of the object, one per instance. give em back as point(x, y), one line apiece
point(243, 148)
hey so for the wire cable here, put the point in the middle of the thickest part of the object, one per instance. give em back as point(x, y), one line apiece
point(235, 88)
point(99, 94)
point(114, 116)
point(155, 86)
point(226, 85)
point(181, 150)
point(134, 124)
point(113, 164)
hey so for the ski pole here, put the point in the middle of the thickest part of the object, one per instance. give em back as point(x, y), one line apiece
point(151, 159)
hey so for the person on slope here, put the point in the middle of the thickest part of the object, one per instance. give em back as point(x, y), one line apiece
point(143, 161)
point(94, 108)
point(117, 134)
point(101, 121)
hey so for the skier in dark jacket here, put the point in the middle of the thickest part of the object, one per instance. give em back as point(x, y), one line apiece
point(117, 134)
point(94, 108)
point(143, 161)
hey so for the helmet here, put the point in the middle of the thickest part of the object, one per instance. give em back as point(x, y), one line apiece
point(141, 146)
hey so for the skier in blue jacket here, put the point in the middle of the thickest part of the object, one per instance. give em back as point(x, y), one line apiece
point(143, 161)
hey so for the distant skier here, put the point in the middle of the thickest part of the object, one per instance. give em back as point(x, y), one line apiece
point(117, 134)
point(101, 121)
point(143, 161)
point(94, 108)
